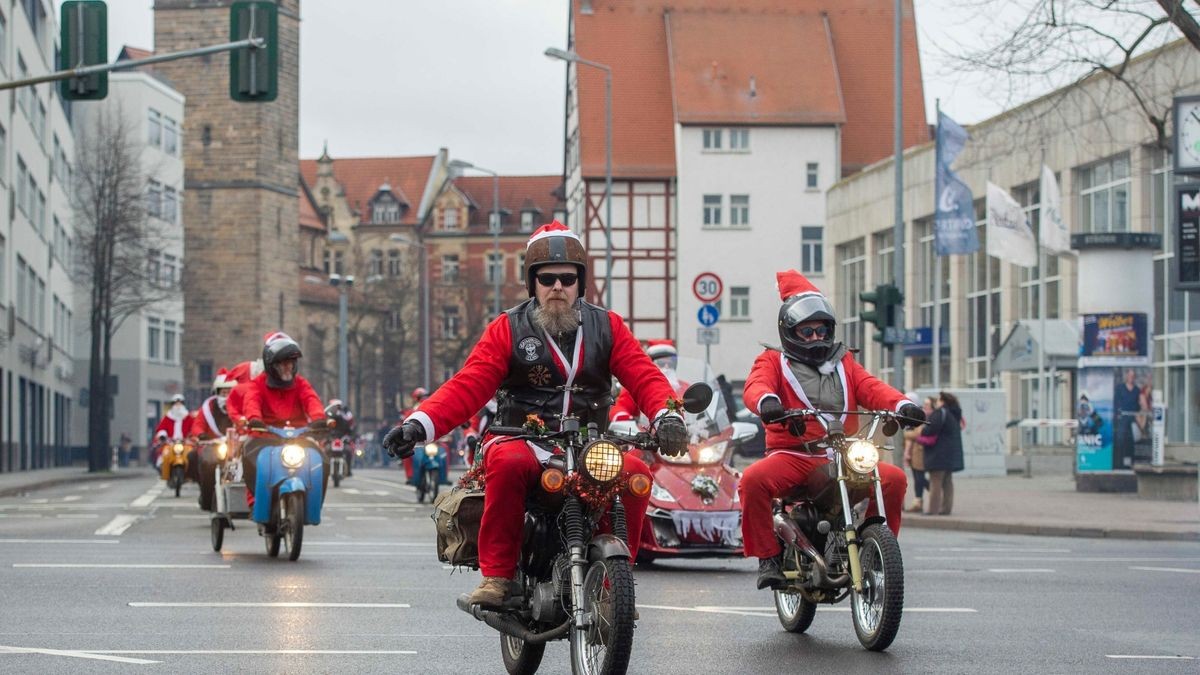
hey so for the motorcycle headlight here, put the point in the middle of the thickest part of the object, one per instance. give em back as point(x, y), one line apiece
point(711, 454)
point(862, 456)
point(431, 450)
point(179, 448)
point(292, 456)
point(222, 450)
point(602, 461)
point(661, 493)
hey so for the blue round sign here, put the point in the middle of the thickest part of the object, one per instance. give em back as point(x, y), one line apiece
point(708, 315)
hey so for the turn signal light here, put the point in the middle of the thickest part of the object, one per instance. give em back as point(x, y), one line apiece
point(553, 480)
point(639, 485)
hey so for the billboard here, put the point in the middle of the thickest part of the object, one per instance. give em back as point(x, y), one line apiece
point(1113, 338)
point(1115, 415)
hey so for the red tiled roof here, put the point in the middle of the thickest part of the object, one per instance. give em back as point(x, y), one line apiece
point(133, 53)
point(630, 36)
point(309, 218)
point(765, 69)
point(361, 178)
point(517, 194)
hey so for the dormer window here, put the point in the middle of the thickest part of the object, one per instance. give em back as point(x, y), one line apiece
point(450, 219)
point(385, 208)
point(527, 221)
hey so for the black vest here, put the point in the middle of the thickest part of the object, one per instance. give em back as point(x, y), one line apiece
point(535, 385)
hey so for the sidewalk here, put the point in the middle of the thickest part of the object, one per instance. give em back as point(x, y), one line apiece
point(16, 482)
point(1049, 505)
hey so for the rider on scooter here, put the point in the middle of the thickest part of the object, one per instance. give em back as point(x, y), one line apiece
point(812, 371)
point(172, 426)
point(550, 356)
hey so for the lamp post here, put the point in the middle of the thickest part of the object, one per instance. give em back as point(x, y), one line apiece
point(572, 57)
point(458, 164)
point(343, 285)
point(425, 354)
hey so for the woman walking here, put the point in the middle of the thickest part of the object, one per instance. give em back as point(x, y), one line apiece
point(945, 455)
point(914, 457)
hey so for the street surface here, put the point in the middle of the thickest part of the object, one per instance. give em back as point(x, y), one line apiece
point(119, 576)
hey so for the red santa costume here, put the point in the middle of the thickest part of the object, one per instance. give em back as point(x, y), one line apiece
point(842, 384)
point(664, 355)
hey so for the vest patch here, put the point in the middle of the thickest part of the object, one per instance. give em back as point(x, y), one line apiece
point(531, 348)
point(539, 376)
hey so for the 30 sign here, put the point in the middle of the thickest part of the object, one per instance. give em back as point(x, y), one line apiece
point(707, 287)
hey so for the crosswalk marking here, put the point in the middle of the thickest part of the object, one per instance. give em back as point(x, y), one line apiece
point(118, 525)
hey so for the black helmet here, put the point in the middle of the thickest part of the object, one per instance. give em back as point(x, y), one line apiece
point(279, 347)
point(795, 311)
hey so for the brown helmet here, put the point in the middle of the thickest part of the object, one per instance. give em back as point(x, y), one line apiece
point(550, 244)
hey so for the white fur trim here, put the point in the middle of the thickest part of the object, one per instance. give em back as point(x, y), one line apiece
point(206, 408)
point(426, 423)
point(903, 402)
point(553, 233)
point(845, 389)
point(664, 412)
point(759, 402)
point(827, 368)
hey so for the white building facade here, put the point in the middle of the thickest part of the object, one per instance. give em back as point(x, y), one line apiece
point(146, 357)
point(37, 393)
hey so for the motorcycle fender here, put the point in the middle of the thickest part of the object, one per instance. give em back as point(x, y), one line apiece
point(869, 521)
point(291, 484)
point(607, 547)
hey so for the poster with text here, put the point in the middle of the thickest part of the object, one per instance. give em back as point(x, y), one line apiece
point(1119, 335)
point(1093, 411)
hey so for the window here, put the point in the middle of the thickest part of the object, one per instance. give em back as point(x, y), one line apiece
point(495, 267)
point(3, 144)
point(170, 207)
point(1104, 196)
point(169, 337)
point(739, 210)
point(169, 268)
point(154, 129)
point(154, 199)
point(739, 140)
point(450, 268)
point(712, 209)
point(812, 251)
point(394, 262)
point(560, 215)
point(3, 44)
point(495, 220)
point(170, 136)
point(1029, 196)
point(37, 18)
point(376, 265)
point(153, 338)
point(739, 303)
point(385, 210)
point(22, 185)
point(450, 322)
point(21, 301)
point(154, 265)
point(811, 174)
point(527, 221)
point(40, 216)
point(712, 139)
point(983, 311)
point(39, 119)
point(23, 93)
point(393, 320)
point(450, 219)
point(851, 280)
point(3, 276)
point(520, 269)
point(333, 261)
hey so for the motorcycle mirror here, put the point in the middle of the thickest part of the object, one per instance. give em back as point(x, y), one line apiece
point(472, 442)
point(697, 397)
point(890, 427)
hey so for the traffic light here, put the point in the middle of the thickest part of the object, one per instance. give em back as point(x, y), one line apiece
point(886, 298)
point(254, 71)
point(84, 35)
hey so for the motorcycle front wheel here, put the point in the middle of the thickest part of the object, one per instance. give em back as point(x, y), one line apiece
point(795, 613)
point(291, 520)
point(337, 474)
point(604, 647)
point(218, 533)
point(434, 480)
point(177, 478)
point(877, 609)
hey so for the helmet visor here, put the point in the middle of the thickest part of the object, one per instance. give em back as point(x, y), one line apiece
point(806, 308)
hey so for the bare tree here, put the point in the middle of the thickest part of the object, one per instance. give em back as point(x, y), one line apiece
point(115, 239)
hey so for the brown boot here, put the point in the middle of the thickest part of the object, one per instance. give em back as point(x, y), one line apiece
point(492, 592)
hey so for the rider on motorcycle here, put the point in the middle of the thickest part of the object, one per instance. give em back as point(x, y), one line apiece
point(343, 427)
point(552, 355)
point(665, 356)
point(278, 397)
point(172, 426)
point(813, 371)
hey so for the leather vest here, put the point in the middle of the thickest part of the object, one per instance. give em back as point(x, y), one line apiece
point(536, 385)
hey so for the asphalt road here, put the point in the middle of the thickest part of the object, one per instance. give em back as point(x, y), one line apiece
point(119, 576)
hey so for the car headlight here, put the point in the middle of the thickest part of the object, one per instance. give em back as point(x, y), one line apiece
point(602, 461)
point(862, 456)
point(711, 454)
point(179, 448)
point(292, 456)
point(661, 493)
point(222, 450)
point(431, 450)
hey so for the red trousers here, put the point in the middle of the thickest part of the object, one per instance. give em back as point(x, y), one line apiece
point(510, 470)
point(776, 475)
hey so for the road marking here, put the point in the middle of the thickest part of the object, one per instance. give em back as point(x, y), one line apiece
point(1141, 656)
point(74, 654)
point(323, 554)
point(355, 605)
point(1044, 560)
point(366, 518)
point(366, 543)
point(20, 515)
point(77, 515)
point(192, 516)
point(136, 566)
point(117, 526)
point(770, 611)
point(59, 541)
point(1030, 570)
point(379, 652)
point(147, 498)
point(42, 500)
point(996, 549)
point(72, 498)
point(385, 483)
point(1166, 569)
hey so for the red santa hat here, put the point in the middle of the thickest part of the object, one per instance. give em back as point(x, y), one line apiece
point(552, 229)
point(275, 336)
point(792, 284)
point(659, 348)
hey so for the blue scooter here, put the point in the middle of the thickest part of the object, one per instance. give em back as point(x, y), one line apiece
point(430, 469)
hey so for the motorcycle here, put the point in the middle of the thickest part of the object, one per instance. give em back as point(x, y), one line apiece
point(571, 581)
point(429, 470)
point(288, 491)
point(175, 464)
point(210, 455)
point(831, 549)
point(339, 460)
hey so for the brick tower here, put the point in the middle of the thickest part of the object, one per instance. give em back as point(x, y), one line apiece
point(241, 198)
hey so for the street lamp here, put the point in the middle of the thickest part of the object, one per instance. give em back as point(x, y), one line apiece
point(425, 328)
point(343, 285)
point(459, 164)
point(572, 57)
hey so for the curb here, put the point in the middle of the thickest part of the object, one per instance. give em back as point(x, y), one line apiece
point(77, 478)
point(961, 525)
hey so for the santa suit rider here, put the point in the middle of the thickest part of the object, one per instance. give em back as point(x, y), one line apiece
point(419, 394)
point(553, 355)
point(665, 356)
point(241, 375)
point(209, 423)
point(172, 426)
point(812, 371)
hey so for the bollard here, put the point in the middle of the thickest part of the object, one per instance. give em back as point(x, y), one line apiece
point(113, 468)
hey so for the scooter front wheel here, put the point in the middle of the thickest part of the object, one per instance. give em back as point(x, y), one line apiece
point(177, 478)
point(291, 519)
point(218, 533)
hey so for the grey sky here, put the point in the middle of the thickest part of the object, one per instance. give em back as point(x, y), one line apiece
point(405, 77)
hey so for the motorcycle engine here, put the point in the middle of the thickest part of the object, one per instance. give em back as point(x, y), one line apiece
point(547, 601)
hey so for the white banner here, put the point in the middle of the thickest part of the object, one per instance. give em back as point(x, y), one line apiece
point(1055, 235)
point(1009, 236)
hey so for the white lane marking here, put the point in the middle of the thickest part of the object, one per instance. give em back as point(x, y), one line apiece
point(59, 541)
point(370, 493)
point(1016, 570)
point(1147, 656)
point(72, 498)
point(366, 518)
point(380, 652)
point(357, 605)
point(20, 515)
point(135, 566)
point(322, 554)
point(995, 549)
point(146, 499)
point(770, 611)
point(77, 515)
point(191, 516)
point(367, 543)
point(385, 483)
point(117, 526)
point(1045, 560)
point(74, 654)
point(1166, 569)
point(42, 500)
point(359, 506)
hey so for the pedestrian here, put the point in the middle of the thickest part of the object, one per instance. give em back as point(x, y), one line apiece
point(942, 437)
point(123, 450)
point(914, 457)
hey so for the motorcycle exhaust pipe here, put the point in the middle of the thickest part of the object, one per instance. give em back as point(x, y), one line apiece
point(510, 626)
point(792, 534)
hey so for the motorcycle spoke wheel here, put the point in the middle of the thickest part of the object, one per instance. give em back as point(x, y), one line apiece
point(795, 613)
point(520, 658)
point(218, 533)
point(877, 609)
point(604, 647)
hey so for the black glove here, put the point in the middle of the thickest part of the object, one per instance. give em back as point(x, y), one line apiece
point(400, 441)
point(915, 415)
point(672, 436)
point(770, 410)
point(256, 425)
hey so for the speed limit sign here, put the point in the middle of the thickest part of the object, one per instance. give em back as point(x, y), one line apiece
point(707, 287)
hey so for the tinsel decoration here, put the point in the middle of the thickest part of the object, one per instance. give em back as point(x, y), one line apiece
point(593, 495)
point(705, 486)
point(473, 478)
point(675, 405)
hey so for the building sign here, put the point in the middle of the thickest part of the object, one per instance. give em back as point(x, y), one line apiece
point(1120, 335)
point(1187, 236)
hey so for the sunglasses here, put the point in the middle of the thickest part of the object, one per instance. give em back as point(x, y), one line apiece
point(809, 331)
point(567, 279)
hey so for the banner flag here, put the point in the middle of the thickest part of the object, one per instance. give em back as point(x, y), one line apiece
point(954, 214)
point(1055, 235)
point(1009, 236)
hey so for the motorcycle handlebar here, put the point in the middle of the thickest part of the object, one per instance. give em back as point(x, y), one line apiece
point(811, 412)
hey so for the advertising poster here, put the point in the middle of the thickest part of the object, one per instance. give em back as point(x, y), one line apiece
point(1093, 410)
point(1133, 416)
point(1120, 335)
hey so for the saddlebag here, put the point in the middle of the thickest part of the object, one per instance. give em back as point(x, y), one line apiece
point(457, 514)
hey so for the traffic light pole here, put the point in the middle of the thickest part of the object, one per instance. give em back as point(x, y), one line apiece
point(84, 71)
point(898, 230)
